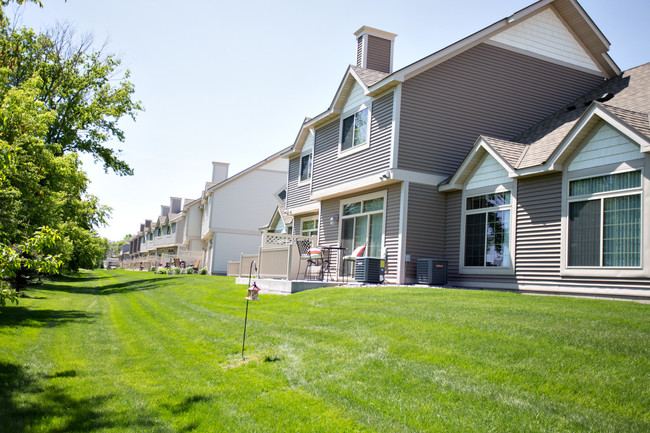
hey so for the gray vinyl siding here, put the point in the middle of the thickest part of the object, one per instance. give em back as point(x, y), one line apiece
point(378, 58)
point(539, 240)
point(539, 207)
point(426, 225)
point(485, 90)
point(329, 234)
point(296, 195)
point(391, 231)
point(330, 170)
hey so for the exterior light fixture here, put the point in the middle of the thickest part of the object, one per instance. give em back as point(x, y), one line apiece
point(334, 220)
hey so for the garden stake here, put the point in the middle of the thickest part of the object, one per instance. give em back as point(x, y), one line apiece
point(252, 296)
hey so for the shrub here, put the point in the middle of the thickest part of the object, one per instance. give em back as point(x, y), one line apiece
point(162, 271)
point(204, 271)
point(177, 271)
point(153, 269)
point(190, 271)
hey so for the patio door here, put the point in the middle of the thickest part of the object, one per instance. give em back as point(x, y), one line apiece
point(362, 223)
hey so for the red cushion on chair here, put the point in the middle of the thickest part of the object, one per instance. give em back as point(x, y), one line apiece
point(358, 251)
point(315, 253)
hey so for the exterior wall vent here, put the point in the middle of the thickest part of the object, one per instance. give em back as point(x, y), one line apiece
point(375, 49)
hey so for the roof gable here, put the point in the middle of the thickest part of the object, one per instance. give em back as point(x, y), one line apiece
point(545, 35)
point(475, 158)
point(573, 18)
point(605, 146)
point(356, 82)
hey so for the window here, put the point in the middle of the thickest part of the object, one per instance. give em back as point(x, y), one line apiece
point(309, 227)
point(355, 130)
point(173, 227)
point(305, 167)
point(487, 230)
point(362, 223)
point(604, 224)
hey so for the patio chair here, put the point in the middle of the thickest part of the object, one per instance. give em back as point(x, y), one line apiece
point(177, 263)
point(196, 265)
point(358, 252)
point(313, 256)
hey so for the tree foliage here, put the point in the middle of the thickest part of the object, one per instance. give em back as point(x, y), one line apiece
point(59, 97)
point(30, 255)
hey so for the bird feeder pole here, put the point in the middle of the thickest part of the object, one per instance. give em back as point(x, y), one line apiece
point(253, 292)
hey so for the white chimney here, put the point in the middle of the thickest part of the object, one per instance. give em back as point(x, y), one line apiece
point(219, 171)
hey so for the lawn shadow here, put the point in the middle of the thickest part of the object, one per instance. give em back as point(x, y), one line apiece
point(73, 278)
point(30, 403)
point(25, 402)
point(150, 283)
point(23, 316)
point(140, 285)
point(185, 406)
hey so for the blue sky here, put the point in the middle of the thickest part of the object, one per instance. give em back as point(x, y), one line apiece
point(232, 81)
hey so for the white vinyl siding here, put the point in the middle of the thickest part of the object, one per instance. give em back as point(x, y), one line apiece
point(356, 97)
point(545, 34)
point(489, 172)
point(607, 146)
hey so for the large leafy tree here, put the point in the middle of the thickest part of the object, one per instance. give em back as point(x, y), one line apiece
point(58, 97)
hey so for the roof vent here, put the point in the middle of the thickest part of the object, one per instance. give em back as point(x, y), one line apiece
point(605, 97)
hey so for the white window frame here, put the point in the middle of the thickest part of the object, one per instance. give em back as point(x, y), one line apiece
point(354, 149)
point(306, 181)
point(510, 187)
point(306, 219)
point(644, 190)
point(362, 198)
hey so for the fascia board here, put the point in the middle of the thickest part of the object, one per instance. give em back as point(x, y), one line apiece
point(308, 208)
point(591, 24)
point(323, 118)
point(456, 181)
point(359, 81)
point(296, 147)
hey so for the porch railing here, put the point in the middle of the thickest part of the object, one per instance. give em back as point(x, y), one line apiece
point(278, 257)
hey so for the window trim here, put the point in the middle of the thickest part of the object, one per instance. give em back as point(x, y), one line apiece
point(306, 181)
point(310, 218)
point(493, 270)
point(353, 112)
point(361, 198)
point(642, 271)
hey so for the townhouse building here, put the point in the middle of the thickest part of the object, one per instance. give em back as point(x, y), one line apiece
point(519, 155)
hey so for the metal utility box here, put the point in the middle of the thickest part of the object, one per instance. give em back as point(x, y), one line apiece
point(368, 270)
point(432, 272)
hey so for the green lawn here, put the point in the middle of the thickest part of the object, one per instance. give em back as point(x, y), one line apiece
point(131, 351)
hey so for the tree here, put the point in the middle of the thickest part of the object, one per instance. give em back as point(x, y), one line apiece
point(29, 255)
point(58, 97)
point(83, 87)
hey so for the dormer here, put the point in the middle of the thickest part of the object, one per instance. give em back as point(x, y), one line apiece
point(375, 49)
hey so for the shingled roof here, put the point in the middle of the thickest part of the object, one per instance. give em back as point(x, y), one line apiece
point(369, 76)
point(626, 96)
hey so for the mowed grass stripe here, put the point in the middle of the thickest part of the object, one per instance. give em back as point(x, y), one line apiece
point(167, 331)
point(145, 352)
